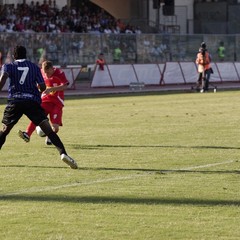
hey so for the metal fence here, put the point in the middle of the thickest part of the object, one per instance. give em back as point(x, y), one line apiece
point(74, 49)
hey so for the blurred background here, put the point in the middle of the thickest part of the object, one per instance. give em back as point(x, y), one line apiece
point(146, 31)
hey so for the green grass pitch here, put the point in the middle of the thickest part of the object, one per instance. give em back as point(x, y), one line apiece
point(160, 166)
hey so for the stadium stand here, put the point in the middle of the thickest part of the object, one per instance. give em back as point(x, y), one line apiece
point(46, 17)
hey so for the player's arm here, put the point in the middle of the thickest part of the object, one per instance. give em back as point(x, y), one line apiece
point(3, 79)
point(40, 81)
point(61, 87)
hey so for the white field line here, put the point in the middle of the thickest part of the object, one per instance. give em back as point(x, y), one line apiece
point(50, 188)
point(129, 177)
point(201, 166)
point(209, 165)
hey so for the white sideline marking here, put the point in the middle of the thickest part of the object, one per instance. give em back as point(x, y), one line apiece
point(200, 166)
point(207, 165)
point(50, 188)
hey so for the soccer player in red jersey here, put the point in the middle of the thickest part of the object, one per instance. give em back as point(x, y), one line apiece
point(52, 99)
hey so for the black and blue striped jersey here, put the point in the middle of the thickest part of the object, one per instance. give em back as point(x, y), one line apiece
point(23, 79)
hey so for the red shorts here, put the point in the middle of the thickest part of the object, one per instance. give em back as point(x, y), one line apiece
point(55, 112)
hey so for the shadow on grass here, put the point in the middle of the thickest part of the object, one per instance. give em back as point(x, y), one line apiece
point(164, 171)
point(79, 146)
point(120, 200)
point(33, 166)
point(147, 170)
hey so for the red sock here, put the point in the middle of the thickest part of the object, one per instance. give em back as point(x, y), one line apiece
point(30, 129)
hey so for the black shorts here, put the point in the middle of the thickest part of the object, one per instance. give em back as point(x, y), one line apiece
point(14, 111)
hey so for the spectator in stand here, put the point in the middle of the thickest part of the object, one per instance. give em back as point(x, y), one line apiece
point(107, 30)
point(121, 26)
point(129, 29)
point(138, 30)
point(117, 54)
point(19, 25)
point(221, 52)
point(3, 26)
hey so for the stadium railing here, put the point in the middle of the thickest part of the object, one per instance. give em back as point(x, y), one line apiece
point(81, 49)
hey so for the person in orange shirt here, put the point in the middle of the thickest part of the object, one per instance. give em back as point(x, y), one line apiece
point(203, 61)
point(101, 61)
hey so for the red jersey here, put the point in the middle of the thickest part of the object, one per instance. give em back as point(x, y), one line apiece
point(58, 78)
point(100, 62)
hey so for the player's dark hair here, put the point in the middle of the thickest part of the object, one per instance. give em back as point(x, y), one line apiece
point(19, 52)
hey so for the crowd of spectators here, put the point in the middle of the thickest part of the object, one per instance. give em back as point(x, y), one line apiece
point(47, 17)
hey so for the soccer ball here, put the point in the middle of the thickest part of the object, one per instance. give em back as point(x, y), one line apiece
point(40, 132)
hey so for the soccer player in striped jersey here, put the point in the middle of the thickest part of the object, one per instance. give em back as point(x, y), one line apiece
point(24, 98)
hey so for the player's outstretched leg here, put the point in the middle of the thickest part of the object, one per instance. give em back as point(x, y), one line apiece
point(56, 141)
